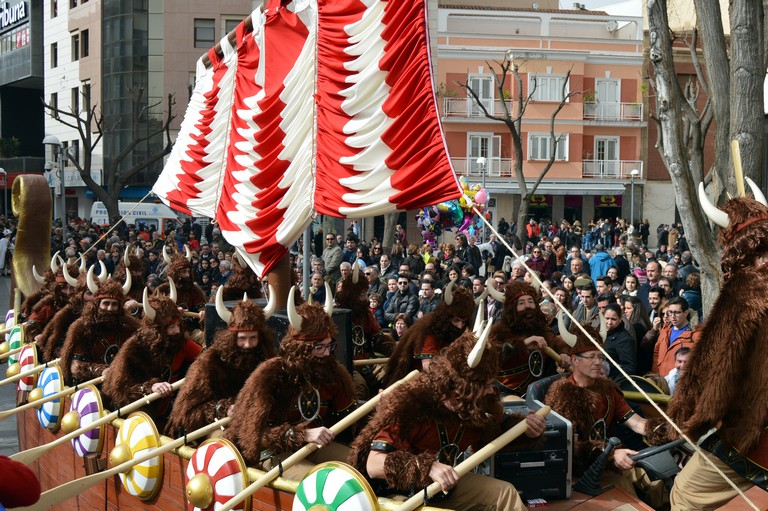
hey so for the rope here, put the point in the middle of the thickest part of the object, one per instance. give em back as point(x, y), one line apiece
point(103, 236)
point(661, 412)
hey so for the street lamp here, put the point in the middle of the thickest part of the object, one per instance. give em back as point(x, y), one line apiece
point(53, 141)
point(633, 175)
point(5, 194)
point(481, 161)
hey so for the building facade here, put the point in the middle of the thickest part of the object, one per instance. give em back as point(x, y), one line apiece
point(125, 58)
point(602, 128)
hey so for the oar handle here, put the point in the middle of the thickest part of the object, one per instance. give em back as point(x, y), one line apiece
point(553, 354)
point(189, 314)
point(12, 352)
point(71, 489)
point(62, 393)
point(32, 454)
point(7, 329)
point(34, 370)
point(369, 362)
point(474, 460)
point(311, 447)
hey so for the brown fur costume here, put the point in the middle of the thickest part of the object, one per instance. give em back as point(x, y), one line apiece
point(55, 332)
point(29, 302)
point(242, 280)
point(423, 400)
point(264, 415)
point(136, 265)
point(150, 356)
point(728, 363)
point(80, 355)
point(219, 373)
point(48, 304)
point(436, 324)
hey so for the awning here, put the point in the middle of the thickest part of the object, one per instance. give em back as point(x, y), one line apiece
point(562, 187)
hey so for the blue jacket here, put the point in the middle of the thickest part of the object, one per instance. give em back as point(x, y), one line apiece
point(599, 264)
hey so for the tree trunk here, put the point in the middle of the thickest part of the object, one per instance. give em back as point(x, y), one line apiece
point(674, 152)
point(388, 238)
point(522, 221)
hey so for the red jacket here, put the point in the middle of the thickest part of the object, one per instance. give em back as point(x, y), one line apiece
point(664, 353)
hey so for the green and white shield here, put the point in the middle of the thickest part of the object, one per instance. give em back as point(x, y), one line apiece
point(334, 486)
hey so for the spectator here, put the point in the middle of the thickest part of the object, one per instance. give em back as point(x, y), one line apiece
point(678, 334)
point(375, 306)
point(692, 294)
point(428, 300)
point(600, 262)
point(620, 344)
point(401, 325)
point(403, 301)
point(332, 258)
point(681, 359)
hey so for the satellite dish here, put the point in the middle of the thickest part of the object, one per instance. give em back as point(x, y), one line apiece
point(612, 26)
point(535, 5)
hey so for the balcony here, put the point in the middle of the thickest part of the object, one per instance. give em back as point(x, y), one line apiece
point(467, 108)
point(494, 167)
point(611, 169)
point(613, 112)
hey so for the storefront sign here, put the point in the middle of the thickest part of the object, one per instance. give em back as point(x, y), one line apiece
point(11, 15)
point(608, 201)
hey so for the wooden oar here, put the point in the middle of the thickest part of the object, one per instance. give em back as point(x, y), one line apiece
point(29, 372)
point(470, 463)
point(311, 447)
point(631, 395)
point(369, 362)
point(71, 489)
point(7, 329)
point(189, 314)
point(552, 354)
point(12, 352)
point(37, 402)
point(30, 455)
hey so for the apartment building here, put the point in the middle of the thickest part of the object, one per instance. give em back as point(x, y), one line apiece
point(108, 51)
point(602, 130)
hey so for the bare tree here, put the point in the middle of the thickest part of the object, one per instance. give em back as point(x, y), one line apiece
point(734, 106)
point(513, 121)
point(89, 124)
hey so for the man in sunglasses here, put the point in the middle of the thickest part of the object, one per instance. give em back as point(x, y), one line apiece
point(332, 256)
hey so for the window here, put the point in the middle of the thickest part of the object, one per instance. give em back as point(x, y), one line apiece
point(84, 42)
point(74, 152)
point(75, 47)
point(548, 87)
point(54, 55)
point(205, 33)
point(54, 103)
point(54, 8)
point(75, 99)
point(230, 25)
point(539, 147)
point(72, 4)
point(86, 89)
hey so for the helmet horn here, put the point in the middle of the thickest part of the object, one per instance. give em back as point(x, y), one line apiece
point(568, 337)
point(221, 309)
point(172, 293)
point(166, 256)
point(187, 253)
point(448, 292)
point(603, 327)
point(328, 300)
point(476, 355)
point(39, 278)
point(82, 264)
point(128, 281)
point(294, 318)
point(718, 216)
point(54, 262)
point(102, 272)
point(271, 303)
point(92, 287)
point(148, 310)
point(757, 192)
point(355, 272)
point(495, 293)
point(69, 278)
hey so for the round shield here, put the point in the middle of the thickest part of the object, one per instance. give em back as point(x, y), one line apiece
point(49, 414)
point(10, 321)
point(27, 361)
point(334, 486)
point(14, 343)
point(140, 434)
point(536, 363)
point(225, 469)
point(87, 403)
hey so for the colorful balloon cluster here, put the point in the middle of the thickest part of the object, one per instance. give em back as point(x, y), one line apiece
point(456, 214)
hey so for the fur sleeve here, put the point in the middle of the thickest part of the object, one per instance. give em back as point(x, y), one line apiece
point(70, 343)
point(127, 374)
point(405, 470)
point(55, 332)
point(196, 403)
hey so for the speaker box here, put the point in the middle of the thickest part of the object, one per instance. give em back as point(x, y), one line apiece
point(279, 323)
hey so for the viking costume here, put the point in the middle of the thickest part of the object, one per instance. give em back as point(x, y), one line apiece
point(434, 418)
point(368, 340)
point(93, 340)
point(520, 366)
point(48, 281)
point(55, 332)
point(189, 295)
point(594, 412)
point(728, 363)
point(218, 374)
point(430, 334)
point(151, 356)
point(292, 393)
point(136, 267)
point(42, 306)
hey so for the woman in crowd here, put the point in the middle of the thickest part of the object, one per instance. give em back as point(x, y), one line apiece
point(692, 294)
point(631, 285)
point(401, 325)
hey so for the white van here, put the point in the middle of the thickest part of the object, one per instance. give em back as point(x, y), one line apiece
point(159, 216)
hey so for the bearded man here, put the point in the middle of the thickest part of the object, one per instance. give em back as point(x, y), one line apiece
point(93, 340)
point(189, 296)
point(431, 333)
point(219, 373)
point(521, 335)
point(421, 428)
point(50, 341)
point(155, 357)
point(727, 364)
point(135, 266)
point(54, 297)
point(368, 341)
point(292, 399)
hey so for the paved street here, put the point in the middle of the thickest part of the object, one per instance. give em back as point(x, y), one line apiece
point(9, 440)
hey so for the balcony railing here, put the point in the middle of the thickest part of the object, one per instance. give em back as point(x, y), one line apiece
point(611, 169)
point(466, 107)
point(494, 167)
point(597, 111)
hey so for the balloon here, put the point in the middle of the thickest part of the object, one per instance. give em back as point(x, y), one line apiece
point(481, 197)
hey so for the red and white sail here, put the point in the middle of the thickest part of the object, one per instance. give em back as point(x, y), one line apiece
point(330, 109)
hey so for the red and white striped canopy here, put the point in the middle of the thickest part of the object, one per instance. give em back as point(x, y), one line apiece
point(323, 106)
